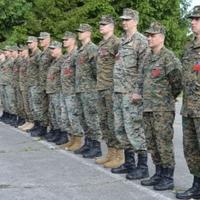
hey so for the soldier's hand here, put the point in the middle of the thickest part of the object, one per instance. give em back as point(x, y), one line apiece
point(136, 97)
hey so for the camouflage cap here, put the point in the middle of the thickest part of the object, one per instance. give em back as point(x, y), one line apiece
point(44, 35)
point(32, 39)
point(84, 28)
point(195, 12)
point(106, 19)
point(14, 48)
point(130, 14)
point(7, 48)
point(156, 28)
point(69, 34)
point(55, 44)
point(21, 48)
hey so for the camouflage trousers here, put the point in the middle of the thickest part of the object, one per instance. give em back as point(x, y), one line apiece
point(19, 103)
point(38, 102)
point(159, 135)
point(3, 98)
point(128, 122)
point(191, 144)
point(25, 100)
point(105, 112)
point(10, 99)
point(55, 110)
point(88, 106)
point(71, 110)
point(65, 123)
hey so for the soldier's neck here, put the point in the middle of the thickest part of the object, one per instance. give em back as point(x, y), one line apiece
point(71, 48)
point(108, 35)
point(157, 49)
point(86, 41)
point(45, 48)
point(130, 33)
point(198, 37)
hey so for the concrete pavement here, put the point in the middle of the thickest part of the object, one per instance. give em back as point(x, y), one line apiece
point(32, 169)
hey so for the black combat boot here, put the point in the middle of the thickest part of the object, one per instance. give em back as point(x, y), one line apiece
point(35, 127)
point(3, 116)
point(155, 179)
point(63, 139)
point(167, 180)
point(142, 168)
point(20, 121)
point(49, 134)
point(94, 151)
point(86, 147)
point(39, 132)
point(191, 193)
point(6, 118)
point(55, 136)
point(13, 121)
point(129, 164)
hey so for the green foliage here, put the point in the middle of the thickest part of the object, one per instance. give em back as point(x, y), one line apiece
point(21, 18)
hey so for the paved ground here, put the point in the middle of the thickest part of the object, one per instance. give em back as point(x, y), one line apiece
point(33, 169)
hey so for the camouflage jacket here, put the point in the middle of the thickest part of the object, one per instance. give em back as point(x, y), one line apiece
point(191, 80)
point(86, 68)
point(128, 63)
point(44, 63)
point(1, 72)
point(53, 84)
point(33, 68)
point(161, 82)
point(7, 72)
point(68, 73)
point(23, 78)
point(16, 66)
point(107, 51)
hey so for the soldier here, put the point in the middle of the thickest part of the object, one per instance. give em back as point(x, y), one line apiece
point(160, 86)
point(2, 93)
point(33, 80)
point(86, 91)
point(107, 50)
point(191, 107)
point(44, 63)
point(7, 80)
point(53, 88)
point(70, 109)
point(23, 87)
point(128, 119)
point(19, 103)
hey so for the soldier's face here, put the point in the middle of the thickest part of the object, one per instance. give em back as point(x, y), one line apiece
point(2, 56)
point(195, 23)
point(24, 53)
point(44, 42)
point(14, 54)
point(55, 52)
point(105, 28)
point(7, 53)
point(67, 42)
point(155, 40)
point(128, 24)
point(83, 35)
point(32, 45)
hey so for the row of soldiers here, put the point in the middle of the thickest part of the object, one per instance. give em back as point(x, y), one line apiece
point(122, 91)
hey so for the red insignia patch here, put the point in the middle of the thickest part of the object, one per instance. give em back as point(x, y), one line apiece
point(196, 67)
point(155, 72)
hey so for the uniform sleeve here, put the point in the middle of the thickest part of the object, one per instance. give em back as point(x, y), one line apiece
point(142, 52)
point(174, 74)
point(92, 54)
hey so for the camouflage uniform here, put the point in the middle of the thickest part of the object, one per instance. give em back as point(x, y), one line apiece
point(53, 89)
point(161, 85)
point(7, 80)
point(23, 80)
point(19, 100)
point(191, 106)
point(44, 63)
point(86, 86)
point(33, 82)
point(70, 109)
point(128, 120)
point(105, 61)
